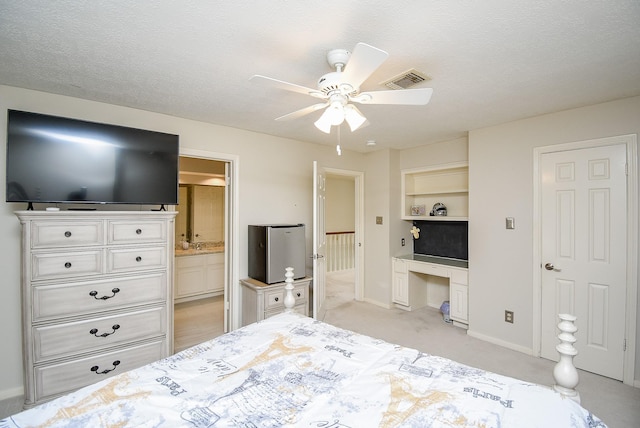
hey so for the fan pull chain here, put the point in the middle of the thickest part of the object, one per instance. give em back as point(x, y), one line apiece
point(338, 149)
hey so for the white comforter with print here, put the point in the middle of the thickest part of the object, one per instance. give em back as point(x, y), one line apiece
point(291, 370)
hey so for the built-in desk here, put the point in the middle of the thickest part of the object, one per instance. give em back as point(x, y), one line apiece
point(420, 281)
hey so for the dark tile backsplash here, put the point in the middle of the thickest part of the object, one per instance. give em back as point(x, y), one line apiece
point(442, 238)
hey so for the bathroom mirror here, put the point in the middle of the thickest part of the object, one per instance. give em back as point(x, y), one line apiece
point(201, 205)
point(201, 217)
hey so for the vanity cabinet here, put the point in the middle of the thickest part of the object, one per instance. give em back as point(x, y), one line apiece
point(261, 301)
point(424, 187)
point(199, 276)
point(434, 283)
point(96, 296)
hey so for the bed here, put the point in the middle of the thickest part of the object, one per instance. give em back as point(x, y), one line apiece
point(291, 370)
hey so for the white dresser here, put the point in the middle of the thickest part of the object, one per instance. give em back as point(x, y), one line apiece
point(96, 296)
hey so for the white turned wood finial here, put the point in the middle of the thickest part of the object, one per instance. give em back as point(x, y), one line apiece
point(564, 373)
point(289, 300)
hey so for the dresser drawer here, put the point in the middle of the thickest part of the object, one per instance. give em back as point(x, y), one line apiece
point(273, 299)
point(59, 340)
point(65, 265)
point(56, 379)
point(300, 293)
point(135, 259)
point(136, 232)
point(52, 301)
point(45, 234)
point(300, 309)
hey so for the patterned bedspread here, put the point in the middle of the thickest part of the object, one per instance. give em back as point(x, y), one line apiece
point(291, 370)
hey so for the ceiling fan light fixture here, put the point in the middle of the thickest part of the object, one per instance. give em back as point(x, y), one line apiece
point(323, 124)
point(354, 118)
point(333, 115)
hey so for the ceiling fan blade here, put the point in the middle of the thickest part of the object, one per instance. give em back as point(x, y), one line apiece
point(302, 112)
point(280, 84)
point(416, 97)
point(364, 60)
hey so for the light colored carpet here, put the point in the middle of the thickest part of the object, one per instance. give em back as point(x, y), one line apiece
point(618, 405)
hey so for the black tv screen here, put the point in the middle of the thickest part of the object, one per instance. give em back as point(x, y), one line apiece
point(59, 160)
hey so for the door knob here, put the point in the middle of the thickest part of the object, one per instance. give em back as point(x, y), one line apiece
point(549, 266)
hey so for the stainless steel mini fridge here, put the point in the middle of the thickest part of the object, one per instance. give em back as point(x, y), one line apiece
point(274, 247)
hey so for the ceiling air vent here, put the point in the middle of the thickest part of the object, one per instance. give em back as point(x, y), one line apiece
point(406, 80)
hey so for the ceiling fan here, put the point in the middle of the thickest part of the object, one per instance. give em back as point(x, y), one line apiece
point(339, 89)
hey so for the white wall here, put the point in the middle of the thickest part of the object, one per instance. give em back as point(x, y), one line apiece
point(376, 236)
point(275, 185)
point(501, 185)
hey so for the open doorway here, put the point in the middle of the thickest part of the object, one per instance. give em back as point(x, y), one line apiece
point(344, 261)
point(199, 292)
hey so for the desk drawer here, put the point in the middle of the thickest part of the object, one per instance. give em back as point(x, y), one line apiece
point(65, 265)
point(54, 341)
point(135, 259)
point(133, 232)
point(429, 269)
point(45, 234)
point(459, 276)
point(56, 379)
point(52, 301)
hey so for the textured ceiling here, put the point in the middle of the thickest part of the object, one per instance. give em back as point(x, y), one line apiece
point(490, 61)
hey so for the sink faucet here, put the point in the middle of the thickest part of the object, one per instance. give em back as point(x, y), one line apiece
point(198, 246)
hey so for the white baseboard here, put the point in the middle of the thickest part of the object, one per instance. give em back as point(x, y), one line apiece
point(375, 302)
point(11, 393)
point(502, 343)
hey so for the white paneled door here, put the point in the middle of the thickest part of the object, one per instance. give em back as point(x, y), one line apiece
point(319, 240)
point(584, 260)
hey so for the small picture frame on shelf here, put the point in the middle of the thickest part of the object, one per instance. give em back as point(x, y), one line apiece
point(418, 209)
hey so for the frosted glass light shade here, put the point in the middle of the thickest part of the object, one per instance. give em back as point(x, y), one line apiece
point(354, 118)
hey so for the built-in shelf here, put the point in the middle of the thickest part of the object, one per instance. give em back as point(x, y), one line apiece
point(424, 187)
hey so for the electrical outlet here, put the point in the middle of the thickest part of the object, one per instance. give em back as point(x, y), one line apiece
point(402, 241)
point(508, 316)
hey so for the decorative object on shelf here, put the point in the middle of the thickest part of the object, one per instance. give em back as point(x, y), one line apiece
point(418, 209)
point(415, 232)
point(439, 209)
point(565, 373)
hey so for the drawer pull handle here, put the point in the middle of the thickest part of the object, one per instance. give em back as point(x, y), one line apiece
point(298, 294)
point(138, 231)
point(138, 259)
point(95, 369)
point(67, 265)
point(94, 331)
point(276, 299)
point(67, 234)
point(95, 293)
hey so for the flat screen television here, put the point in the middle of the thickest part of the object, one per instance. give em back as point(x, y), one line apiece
point(59, 160)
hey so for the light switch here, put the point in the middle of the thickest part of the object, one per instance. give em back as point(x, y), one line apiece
point(511, 223)
point(378, 219)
